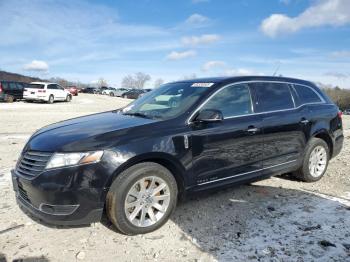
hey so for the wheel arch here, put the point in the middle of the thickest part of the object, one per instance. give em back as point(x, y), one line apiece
point(164, 159)
point(325, 136)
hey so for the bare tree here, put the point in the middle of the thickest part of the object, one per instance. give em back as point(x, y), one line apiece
point(191, 76)
point(158, 82)
point(136, 81)
point(101, 82)
point(141, 79)
point(128, 82)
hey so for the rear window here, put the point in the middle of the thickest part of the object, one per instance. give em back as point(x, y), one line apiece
point(306, 95)
point(37, 86)
point(273, 96)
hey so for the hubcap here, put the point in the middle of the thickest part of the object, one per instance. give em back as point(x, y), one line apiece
point(147, 201)
point(317, 161)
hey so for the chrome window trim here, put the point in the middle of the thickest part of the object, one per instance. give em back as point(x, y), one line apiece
point(242, 174)
point(259, 113)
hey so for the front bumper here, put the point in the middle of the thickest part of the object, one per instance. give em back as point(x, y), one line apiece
point(66, 196)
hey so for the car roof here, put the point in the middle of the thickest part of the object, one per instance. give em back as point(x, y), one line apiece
point(229, 79)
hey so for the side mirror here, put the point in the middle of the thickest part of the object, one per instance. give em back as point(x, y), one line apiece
point(209, 115)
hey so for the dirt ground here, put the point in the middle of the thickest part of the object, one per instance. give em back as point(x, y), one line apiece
point(278, 219)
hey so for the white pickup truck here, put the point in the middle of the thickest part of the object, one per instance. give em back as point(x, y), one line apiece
point(48, 92)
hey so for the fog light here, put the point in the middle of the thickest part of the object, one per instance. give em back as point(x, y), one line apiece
point(58, 210)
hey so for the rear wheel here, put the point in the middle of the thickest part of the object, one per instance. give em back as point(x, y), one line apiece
point(142, 198)
point(10, 99)
point(315, 161)
point(111, 94)
point(51, 99)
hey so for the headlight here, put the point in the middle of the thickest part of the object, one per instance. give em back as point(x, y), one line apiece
point(70, 159)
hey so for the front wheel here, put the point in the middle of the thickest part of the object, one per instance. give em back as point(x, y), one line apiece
point(142, 198)
point(315, 161)
point(68, 98)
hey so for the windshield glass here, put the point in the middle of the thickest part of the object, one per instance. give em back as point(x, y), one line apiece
point(165, 102)
point(36, 86)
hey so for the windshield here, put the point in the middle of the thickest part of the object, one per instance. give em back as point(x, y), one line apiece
point(165, 102)
point(37, 86)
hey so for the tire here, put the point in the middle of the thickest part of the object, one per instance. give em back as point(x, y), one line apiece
point(68, 98)
point(9, 99)
point(306, 172)
point(111, 94)
point(51, 99)
point(133, 178)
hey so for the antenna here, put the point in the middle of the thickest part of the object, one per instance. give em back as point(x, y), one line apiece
point(277, 68)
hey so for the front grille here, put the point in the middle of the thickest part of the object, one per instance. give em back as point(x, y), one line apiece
point(33, 163)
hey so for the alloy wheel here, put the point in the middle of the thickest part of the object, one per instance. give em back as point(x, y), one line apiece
point(147, 201)
point(317, 161)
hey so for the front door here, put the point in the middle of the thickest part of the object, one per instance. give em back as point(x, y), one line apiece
point(231, 149)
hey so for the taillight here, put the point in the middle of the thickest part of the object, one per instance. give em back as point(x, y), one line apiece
point(0, 87)
point(340, 114)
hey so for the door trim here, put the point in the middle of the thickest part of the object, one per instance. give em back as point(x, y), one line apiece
point(242, 174)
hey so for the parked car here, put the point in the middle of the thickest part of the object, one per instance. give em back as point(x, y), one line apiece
point(100, 90)
point(89, 90)
point(46, 92)
point(118, 91)
point(11, 90)
point(108, 91)
point(346, 112)
point(133, 93)
point(134, 163)
point(73, 90)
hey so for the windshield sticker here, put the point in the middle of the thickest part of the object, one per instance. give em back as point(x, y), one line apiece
point(202, 84)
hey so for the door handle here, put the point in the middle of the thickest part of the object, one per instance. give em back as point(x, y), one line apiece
point(304, 121)
point(252, 129)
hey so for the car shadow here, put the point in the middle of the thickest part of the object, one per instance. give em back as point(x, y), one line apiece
point(254, 222)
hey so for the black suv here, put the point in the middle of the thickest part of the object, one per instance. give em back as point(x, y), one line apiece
point(11, 90)
point(132, 164)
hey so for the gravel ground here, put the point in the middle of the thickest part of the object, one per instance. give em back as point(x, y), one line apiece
point(278, 219)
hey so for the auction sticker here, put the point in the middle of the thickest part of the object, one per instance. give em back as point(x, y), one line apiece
point(202, 84)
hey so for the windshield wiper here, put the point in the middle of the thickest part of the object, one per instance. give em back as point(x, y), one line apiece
point(137, 114)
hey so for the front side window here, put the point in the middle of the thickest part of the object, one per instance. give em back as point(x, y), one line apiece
point(168, 101)
point(272, 96)
point(306, 95)
point(231, 101)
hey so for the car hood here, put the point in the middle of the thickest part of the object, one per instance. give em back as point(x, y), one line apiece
point(85, 133)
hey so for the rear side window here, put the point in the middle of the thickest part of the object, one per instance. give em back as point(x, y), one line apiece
point(306, 95)
point(272, 96)
point(231, 101)
point(13, 86)
point(36, 86)
point(5, 86)
point(52, 86)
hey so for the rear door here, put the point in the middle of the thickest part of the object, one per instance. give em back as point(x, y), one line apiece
point(229, 150)
point(282, 123)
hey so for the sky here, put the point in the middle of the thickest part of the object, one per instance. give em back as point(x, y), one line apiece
point(87, 40)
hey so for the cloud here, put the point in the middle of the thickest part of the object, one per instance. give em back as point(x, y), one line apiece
point(341, 54)
point(197, 20)
point(198, 40)
point(323, 13)
point(337, 75)
point(240, 72)
point(36, 65)
point(213, 64)
point(174, 55)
